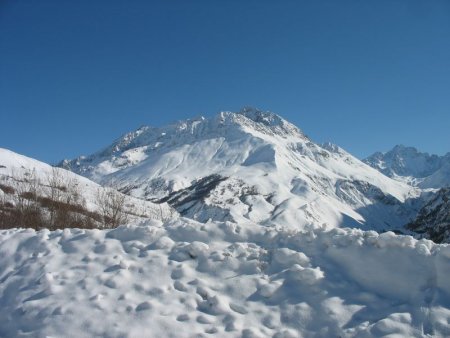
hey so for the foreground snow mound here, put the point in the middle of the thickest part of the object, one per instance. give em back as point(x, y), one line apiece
point(190, 279)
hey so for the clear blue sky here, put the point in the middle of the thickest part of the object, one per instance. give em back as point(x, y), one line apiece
point(366, 75)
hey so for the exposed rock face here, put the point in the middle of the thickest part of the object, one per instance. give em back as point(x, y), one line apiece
point(433, 220)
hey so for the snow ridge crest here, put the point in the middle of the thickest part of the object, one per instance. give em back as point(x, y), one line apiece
point(227, 124)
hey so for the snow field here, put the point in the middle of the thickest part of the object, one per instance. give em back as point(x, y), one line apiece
point(189, 279)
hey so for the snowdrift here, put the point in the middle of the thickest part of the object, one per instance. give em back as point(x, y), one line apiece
point(190, 279)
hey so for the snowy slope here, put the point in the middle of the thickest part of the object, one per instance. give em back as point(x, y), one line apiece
point(15, 168)
point(253, 166)
point(189, 279)
point(407, 164)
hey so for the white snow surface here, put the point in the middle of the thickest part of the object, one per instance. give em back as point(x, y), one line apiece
point(189, 279)
point(274, 174)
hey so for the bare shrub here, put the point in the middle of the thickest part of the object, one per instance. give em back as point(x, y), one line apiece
point(112, 207)
point(65, 202)
point(7, 189)
point(25, 211)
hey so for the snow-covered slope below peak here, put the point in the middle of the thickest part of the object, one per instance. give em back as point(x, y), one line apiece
point(292, 180)
point(20, 174)
point(440, 178)
point(409, 165)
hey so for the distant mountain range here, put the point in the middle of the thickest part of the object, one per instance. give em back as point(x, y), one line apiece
point(407, 164)
point(429, 172)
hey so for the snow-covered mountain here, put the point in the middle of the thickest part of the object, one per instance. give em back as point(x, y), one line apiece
point(252, 166)
point(407, 164)
point(28, 182)
point(430, 172)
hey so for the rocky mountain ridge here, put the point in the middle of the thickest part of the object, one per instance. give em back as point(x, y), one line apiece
point(408, 164)
point(429, 172)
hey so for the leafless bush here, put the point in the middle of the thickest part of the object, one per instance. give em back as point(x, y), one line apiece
point(7, 189)
point(62, 195)
point(18, 207)
point(55, 182)
point(112, 207)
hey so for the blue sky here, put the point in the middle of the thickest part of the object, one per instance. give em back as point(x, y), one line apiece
point(366, 75)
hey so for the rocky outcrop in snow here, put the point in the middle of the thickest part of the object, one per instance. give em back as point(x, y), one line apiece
point(433, 220)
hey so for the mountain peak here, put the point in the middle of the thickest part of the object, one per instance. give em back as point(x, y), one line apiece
point(265, 117)
point(262, 121)
point(404, 162)
point(407, 150)
point(225, 124)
